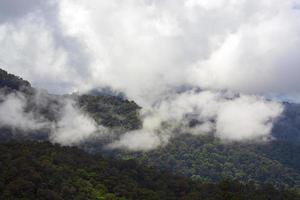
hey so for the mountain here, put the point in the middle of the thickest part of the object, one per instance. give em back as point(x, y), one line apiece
point(12, 82)
point(31, 170)
point(201, 158)
point(208, 159)
point(109, 111)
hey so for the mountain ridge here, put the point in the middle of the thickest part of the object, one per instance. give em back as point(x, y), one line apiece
point(201, 158)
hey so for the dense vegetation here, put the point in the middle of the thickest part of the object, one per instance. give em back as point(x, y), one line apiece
point(12, 82)
point(201, 158)
point(111, 111)
point(207, 159)
point(31, 170)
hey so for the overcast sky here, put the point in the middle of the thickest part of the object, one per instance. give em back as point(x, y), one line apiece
point(151, 49)
point(147, 47)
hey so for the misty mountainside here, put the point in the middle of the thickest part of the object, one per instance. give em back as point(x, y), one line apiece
point(209, 159)
point(203, 158)
point(41, 170)
point(11, 82)
point(44, 108)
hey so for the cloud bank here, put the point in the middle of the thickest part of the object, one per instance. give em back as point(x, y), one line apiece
point(74, 126)
point(245, 46)
point(151, 49)
point(12, 113)
point(71, 126)
point(230, 118)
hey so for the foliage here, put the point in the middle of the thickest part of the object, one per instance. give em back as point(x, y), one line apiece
point(201, 158)
point(111, 111)
point(31, 170)
point(208, 159)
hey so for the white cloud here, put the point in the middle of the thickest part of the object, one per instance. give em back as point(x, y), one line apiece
point(138, 141)
point(12, 114)
point(75, 126)
point(71, 127)
point(150, 48)
point(28, 49)
point(146, 48)
point(227, 116)
point(246, 118)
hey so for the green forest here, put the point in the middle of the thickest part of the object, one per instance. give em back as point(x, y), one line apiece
point(32, 170)
point(209, 160)
point(188, 167)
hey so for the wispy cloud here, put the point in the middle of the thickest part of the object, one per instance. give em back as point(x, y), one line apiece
point(150, 49)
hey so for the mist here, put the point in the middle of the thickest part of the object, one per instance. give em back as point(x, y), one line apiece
point(12, 113)
point(229, 117)
point(149, 50)
point(75, 126)
point(70, 125)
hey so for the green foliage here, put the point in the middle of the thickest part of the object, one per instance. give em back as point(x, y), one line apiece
point(43, 171)
point(208, 159)
point(111, 111)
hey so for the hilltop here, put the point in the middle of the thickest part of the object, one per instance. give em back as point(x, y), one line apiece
point(201, 158)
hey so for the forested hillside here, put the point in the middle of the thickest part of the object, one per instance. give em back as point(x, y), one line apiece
point(202, 158)
point(30, 170)
point(12, 82)
point(112, 112)
point(207, 159)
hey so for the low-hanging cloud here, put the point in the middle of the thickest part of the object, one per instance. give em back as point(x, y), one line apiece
point(246, 118)
point(71, 126)
point(229, 117)
point(74, 126)
point(12, 113)
point(149, 49)
point(141, 140)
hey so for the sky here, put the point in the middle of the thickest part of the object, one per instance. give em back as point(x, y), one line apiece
point(151, 49)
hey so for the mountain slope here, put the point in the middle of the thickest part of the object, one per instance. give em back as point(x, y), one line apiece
point(109, 111)
point(43, 171)
point(202, 158)
point(208, 159)
point(12, 82)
